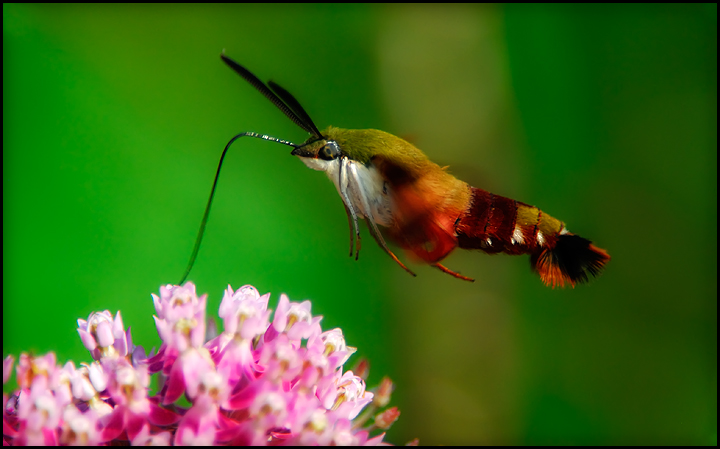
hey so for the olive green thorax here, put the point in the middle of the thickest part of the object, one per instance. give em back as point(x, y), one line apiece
point(362, 144)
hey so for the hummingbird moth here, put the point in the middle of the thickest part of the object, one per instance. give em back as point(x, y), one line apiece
point(421, 207)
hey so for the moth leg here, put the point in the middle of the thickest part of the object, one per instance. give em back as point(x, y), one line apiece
point(349, 209)
point(372, 227)
point(375, 232)
point(352, 234)
point(452, 273)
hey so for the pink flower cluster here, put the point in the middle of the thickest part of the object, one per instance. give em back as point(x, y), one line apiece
point(258, 382)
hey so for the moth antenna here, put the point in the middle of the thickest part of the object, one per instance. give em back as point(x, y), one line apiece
point(290, 106)
point(295, 106)
point(201, 232)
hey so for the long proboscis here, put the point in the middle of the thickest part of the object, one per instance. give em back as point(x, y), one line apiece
point(201, 232)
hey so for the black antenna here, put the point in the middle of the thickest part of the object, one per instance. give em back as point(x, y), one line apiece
point(201, 232)
point(295, 106)
point(290, 107)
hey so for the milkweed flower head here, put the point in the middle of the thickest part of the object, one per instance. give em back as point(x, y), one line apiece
point(264, 380)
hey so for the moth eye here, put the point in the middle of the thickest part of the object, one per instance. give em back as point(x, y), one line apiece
point(330, 151)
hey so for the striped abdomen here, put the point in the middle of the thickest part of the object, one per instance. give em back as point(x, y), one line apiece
point(494, 224)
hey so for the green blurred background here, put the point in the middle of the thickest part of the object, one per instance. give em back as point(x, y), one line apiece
point(114, 118)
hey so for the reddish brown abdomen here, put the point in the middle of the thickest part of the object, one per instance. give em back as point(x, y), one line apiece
point(494, 224)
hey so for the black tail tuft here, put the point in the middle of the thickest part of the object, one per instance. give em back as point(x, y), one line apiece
point(569, 260)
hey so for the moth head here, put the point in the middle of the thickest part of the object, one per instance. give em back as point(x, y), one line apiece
point(319, 154)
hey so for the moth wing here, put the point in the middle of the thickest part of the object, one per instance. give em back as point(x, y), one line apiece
point(424, 225)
